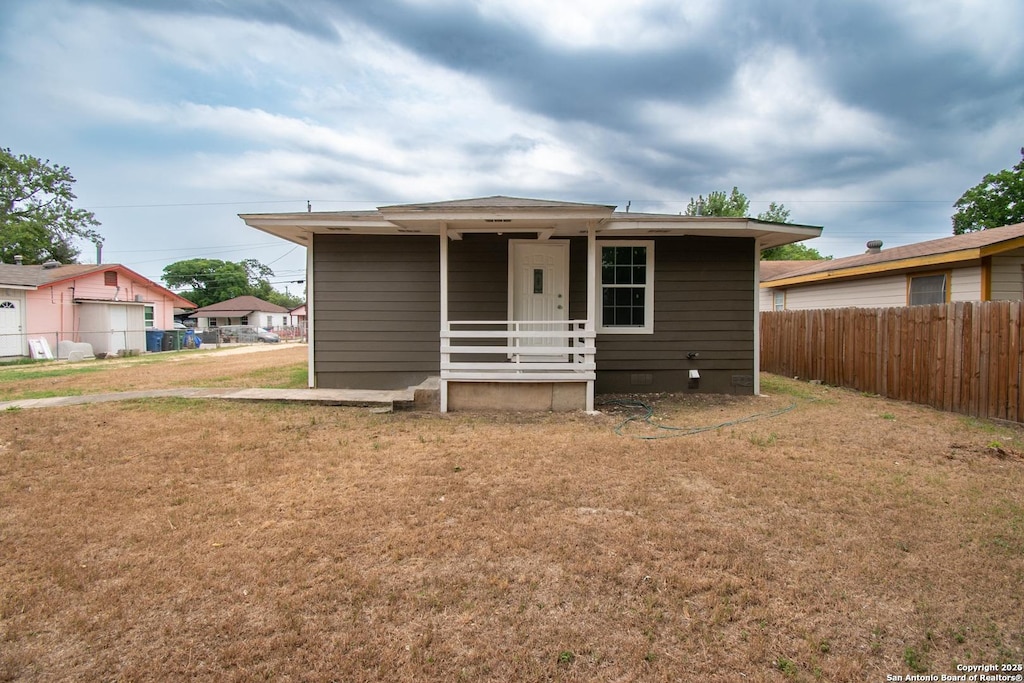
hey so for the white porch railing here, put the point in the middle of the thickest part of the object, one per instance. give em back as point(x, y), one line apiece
point(518, 351)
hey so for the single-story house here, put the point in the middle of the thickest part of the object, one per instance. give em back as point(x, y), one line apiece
point(530, 303)
point(242, 310)
point(108, 306)
point(978, 266)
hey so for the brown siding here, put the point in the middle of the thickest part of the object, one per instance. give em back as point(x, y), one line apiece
point(704, 303)
point(378, 308)
point(377, 311)
point(478, 278)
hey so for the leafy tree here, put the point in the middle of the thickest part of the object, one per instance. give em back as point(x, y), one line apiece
point(792, 252)
point(285, 299)
point(776, 213)
point(37, 218)
point(212, 280)
point(996, 201)
point(736, 204)
point(719, 204)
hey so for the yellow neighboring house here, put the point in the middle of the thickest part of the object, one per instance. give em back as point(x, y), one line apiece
point(978, 266)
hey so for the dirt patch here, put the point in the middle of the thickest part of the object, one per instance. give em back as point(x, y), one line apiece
point(836, 541)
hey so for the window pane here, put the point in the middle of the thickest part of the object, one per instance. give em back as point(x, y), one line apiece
point(538, 281)
point(624, 283)
point(639, 275)
point(927, 289)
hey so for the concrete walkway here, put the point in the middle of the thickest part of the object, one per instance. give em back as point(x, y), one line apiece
point(384, 400)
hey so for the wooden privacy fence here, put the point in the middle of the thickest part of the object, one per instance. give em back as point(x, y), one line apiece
point(963, 357)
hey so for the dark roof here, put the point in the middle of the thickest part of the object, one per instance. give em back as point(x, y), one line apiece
point(955, 248)
point(771, 270)
point(37, 276)
point(239, 306)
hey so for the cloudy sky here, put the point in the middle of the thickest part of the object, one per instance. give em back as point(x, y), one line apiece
point(868, 117)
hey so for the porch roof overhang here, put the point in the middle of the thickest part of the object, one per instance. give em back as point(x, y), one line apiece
point(545, 221)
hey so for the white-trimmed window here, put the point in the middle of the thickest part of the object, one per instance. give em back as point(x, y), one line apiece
point(779, 299)
point(625, 297)
point(923, 290)
point(148, 316)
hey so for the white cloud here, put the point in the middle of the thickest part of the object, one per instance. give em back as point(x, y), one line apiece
point(621, 25)
point(776, 107)
point(989, 29)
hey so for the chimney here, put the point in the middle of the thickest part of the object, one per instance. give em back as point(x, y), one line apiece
point(874, 247)
point(18, 259)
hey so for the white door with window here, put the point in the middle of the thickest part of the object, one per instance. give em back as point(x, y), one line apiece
point(10, 328)
point(539, 290)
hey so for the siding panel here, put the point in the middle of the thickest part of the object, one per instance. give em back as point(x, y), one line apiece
point(378, 308)
point(1008, 277)
point(704, 298)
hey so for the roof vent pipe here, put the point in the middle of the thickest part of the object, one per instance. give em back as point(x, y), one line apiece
point(874, 247)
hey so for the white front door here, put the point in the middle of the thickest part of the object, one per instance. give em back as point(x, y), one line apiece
point(539, 289)
point(10, 328)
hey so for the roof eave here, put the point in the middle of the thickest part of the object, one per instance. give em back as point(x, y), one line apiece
point(768, 234)
point(894, 266)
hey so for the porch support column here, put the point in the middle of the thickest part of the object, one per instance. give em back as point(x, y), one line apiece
point(591, 300)
point(757, 317)
point(445, 327)
point(310, 312)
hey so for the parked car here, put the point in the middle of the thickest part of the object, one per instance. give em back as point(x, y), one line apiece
point(267, 337)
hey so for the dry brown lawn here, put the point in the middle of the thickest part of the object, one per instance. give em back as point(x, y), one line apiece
point(844, 540)
point(269, 366)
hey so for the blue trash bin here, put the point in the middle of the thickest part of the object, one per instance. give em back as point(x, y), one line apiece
point(191, 340)
point(154, 339)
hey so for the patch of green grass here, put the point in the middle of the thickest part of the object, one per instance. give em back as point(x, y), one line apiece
point(914, 660)
point(25, 395)
point(279, 377)
point(779, 386)
point(888, 416)
point(23, 361)
point(786, 666)
point(566, 657)
point(299, 377)
point(764, 441)
point(50, 372)
point(774, 384)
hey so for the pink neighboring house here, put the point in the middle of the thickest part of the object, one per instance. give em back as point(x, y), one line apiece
point(108, 306)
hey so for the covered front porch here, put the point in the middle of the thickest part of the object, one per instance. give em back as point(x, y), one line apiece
point(537, 344)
